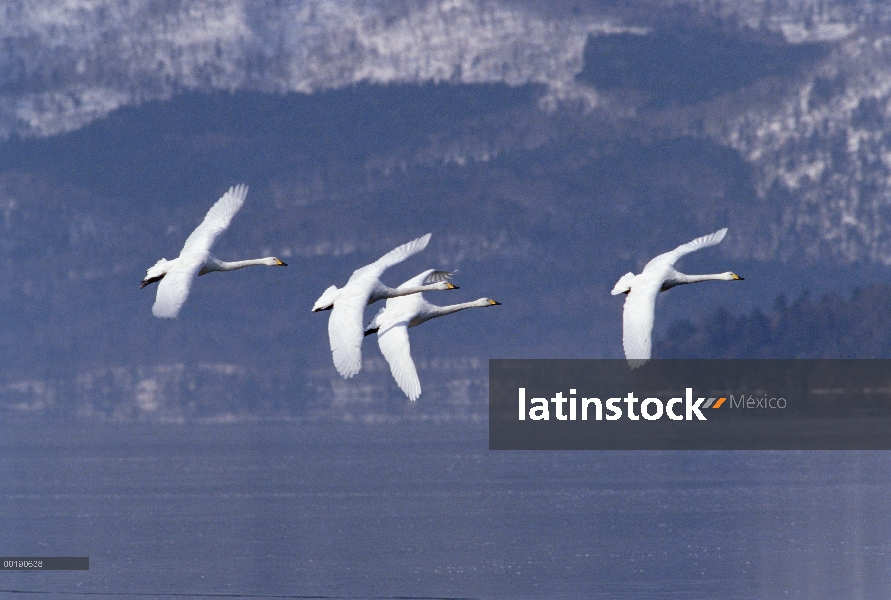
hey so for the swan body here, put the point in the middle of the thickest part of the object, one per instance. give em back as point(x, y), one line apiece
point(175, 276)
point(657, 276)
point(392, 322)
point(347, 304)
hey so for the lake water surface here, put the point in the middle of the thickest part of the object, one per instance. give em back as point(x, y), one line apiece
point(417, 509)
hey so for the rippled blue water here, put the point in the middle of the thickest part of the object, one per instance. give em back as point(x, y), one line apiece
point(424, 510)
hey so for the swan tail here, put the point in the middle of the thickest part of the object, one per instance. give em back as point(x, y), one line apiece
point(326, 301)
point(375, 323)
point(624, 284)
point(158, 269)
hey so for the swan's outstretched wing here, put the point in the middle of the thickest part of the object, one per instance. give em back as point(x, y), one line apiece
point(216, 221)
point(637, 320)
point(669, 258)
point(174, 288)
point(395, 347)
point(426, 278)
point(435, 277)
point(393, 257)
point(345, 332)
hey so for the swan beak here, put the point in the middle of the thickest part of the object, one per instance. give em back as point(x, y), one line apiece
point(493, 303)
point(737, 277)
point(280, 263)
point(449, 286)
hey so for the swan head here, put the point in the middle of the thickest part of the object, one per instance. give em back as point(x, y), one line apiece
point(492, 302)
point(730, 276)
point(155, 272)
point(275, 262)
point(443, 285)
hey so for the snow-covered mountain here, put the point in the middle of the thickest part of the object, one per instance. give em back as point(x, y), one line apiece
point(819, 139)
point(65, 64)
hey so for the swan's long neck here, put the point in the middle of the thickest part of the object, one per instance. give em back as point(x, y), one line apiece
point(239, 264)
point(434, 311)
point(681, 279)
point(387, 292)
point(218, 265)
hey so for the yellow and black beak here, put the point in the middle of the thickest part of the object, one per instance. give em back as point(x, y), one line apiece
point(737, 277)
point(280, 263)
point(493, 303)
point(449, 286)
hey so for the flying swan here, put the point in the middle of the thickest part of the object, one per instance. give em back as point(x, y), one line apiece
point(657, 276)
point(176, 276)
point(392, 322)
point(348, 303)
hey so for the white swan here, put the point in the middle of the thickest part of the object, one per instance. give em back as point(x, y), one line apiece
point(176, 275)
point(392, 322)
point(657, 276)
point(348, 303)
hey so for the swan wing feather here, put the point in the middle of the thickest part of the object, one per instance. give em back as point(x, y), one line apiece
point(216, 221)
point(396, 348)
point(637, 320)
point(393, 257)
point(436, 277)
point(173, 290)
point(669, 258)
point(345, 333)
point(426, 278)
